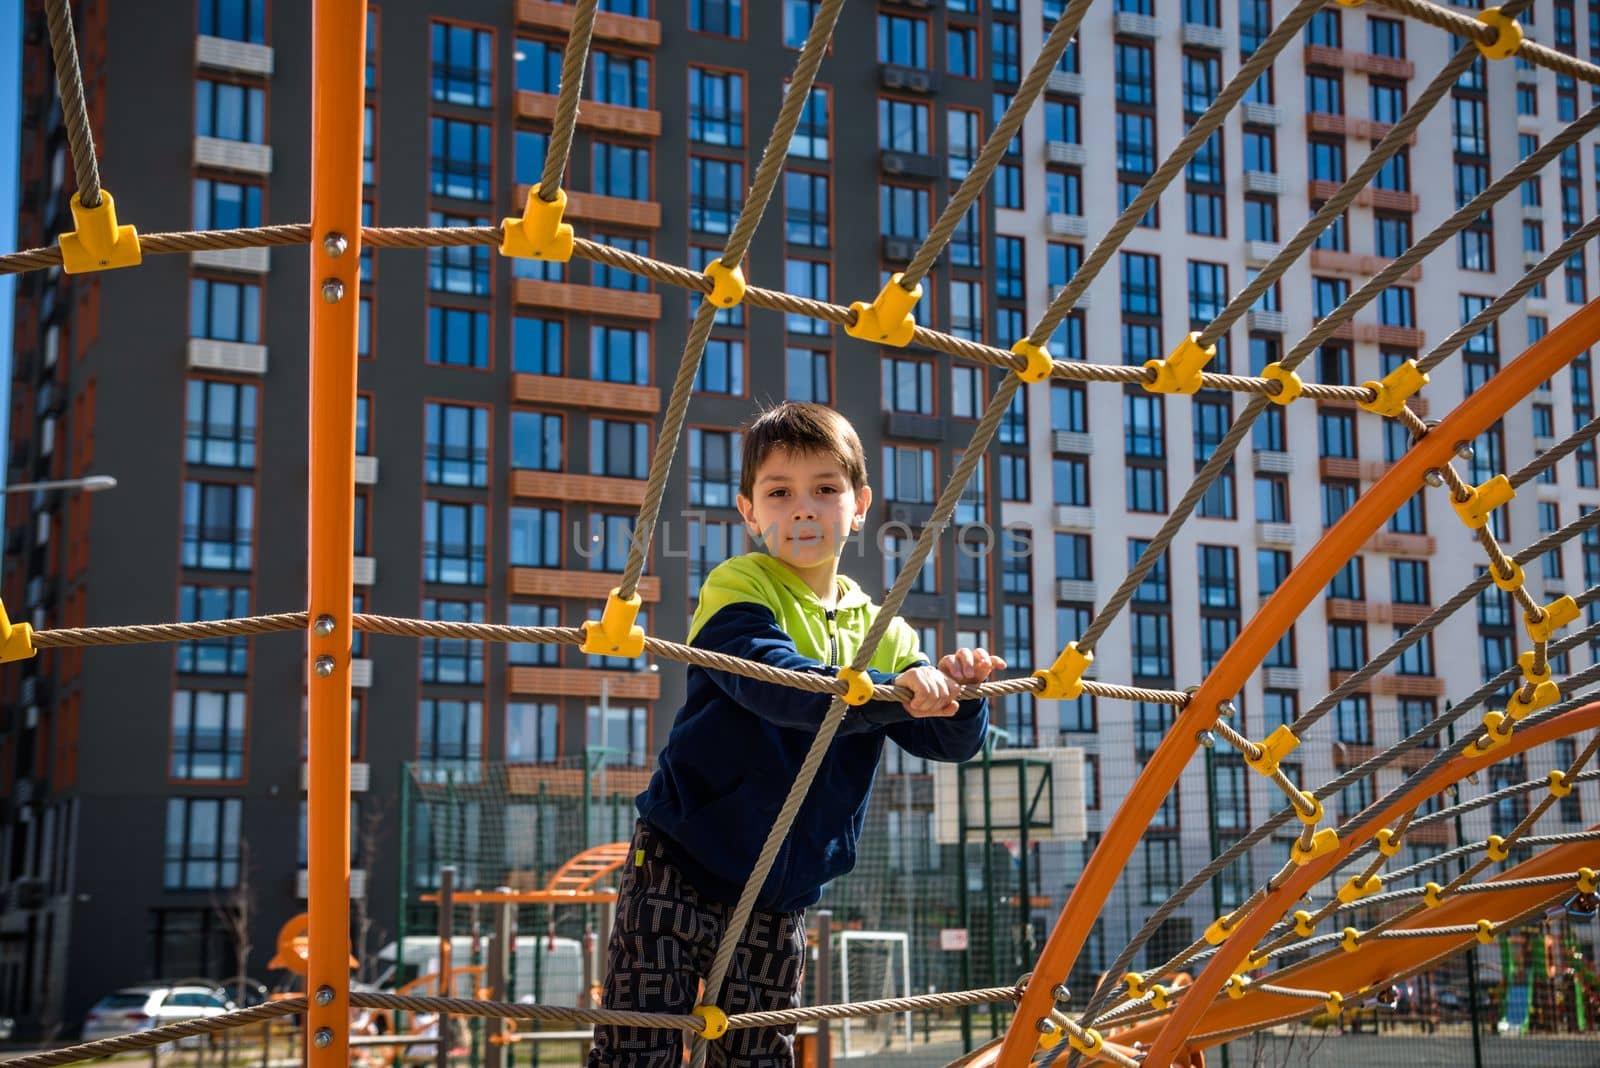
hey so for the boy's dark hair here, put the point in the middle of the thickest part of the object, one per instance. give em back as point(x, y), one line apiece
point(802, 427)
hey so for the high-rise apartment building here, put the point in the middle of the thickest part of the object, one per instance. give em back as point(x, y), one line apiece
point(508, 411)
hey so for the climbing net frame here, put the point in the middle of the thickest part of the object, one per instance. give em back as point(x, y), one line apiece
point(1154, 1024)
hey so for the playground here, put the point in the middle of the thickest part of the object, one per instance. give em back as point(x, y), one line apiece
point(1347, 933)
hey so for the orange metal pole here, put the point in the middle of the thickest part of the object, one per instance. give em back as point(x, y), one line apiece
point(1476, 414)
point(338, 51)
point(1360, 968)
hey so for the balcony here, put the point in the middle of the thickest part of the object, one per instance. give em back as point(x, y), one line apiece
point(232, 155)
point(594, 207)
point(643, 33)
point(1262, 182)
point(1075, 590)
point(1065, 152)
point(907, 79)
point(583, 682)
point(363, 570)
point(1533, 212)
point(899, 249)
point(1326, 259)
point(1350, 126)
point(594, 489)
point(1061, 224)
point(1260, 253)
point(219, 53)
point(1203, 36)
point(587, 300)
point(1365, 62)
point(1276, 533)
point(1409, 686)
point(1262, 114)
point(1131, 25)
point(1065, 82)
point(908, 165)
point(1081, 304)
point(1281, 678)
point(1072, 441)
point(360, 777)
point(358, 884)
point(584, 585)
point(1343, 467)
point(1269, 322)
point(1400, 544)
point(1386, 199)
point(230, 356)
point(610, 118)
point(360, 673)
point(585, 393)
point(1075, 517)
point(1391, 612)
point(243, 260)
point(1280, 463)
point(1531, 257)
point(366, 470)
point(1377, 334)
point(913, 425)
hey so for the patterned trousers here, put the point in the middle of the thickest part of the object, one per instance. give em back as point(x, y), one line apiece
point(662, 946)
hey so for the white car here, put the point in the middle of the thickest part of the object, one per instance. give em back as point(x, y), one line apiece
point(139, 1008)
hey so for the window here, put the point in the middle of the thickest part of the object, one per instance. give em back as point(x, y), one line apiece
point(1353, 717)
point(903, 41)
point(201, 850)
point(722, 17)
point(1347, 646)
point(458, 337)
point(1408, 581)
point(618, 354)
point(1325, 93)
point(463, 65)
point(537, 345)
point(621, 732)
point(1141, 284)
point(218, 525)
point(1069, 480)
point(450, 740)
point(213, 656)
point(810, 139)
point(536, 440)
point(710, 543)
point(1336, 433)
point(966, 309)
point(721, 367)
point(225, 311)
point(716, 191)
point(452, 661)
point(1074, 557)
point(538, 66)
point(531, 732)
point(1418, 658)
point(457, 449)
point(908, 474)
point(223, 205)
point(1324, 29)
point(528, 156)
point(1152, 644)
point(1415, 714)
point(535, 538)
point(965, 139)
point(961, 50)
point(716, 106)
point(896, 551)
point(1202, 78)
point(903, 126)
point(462, 159)
point(1386, 37)
point(234, 20)
point(806, 278)
point(1260, 151)
point(1386, 101)
point(1069, 407)
point(1272, 499)
point(1397, 306)
point(229, 112)
point(714, 457)
point(1163, 869)
point(619, 79)
point(1135, 77)
point(533, 653)
point(619, 448)
point(903, 211)
point(908, 385)
point(1005, 62)
point(1391, 234)
point(805, 201)
point(453, 537)
point(806, 376)
point(221, 424)
point(463, 268)
point(620, 170)
point(1327, 160)
point(208, 731)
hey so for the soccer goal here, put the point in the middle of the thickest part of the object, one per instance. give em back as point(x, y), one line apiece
point(874, 965)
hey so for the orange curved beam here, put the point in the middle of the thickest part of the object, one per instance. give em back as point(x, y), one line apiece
point(338, 45)
point(1346, 973)
point(587, 868)
point(1342, 541)
point(1378, 961)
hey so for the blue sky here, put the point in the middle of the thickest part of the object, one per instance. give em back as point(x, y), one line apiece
point(10, 120)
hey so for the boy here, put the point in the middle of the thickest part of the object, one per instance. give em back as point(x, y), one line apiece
point(737, 744)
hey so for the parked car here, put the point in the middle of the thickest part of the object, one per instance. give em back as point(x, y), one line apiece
point(139, 1008)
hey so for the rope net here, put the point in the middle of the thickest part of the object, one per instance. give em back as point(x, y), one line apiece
point(1215, 986)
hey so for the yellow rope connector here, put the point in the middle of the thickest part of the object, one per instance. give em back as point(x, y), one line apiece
point(1159, 998)
point(1544, 694)
point(716, 1021)
point(860, 686)
point(1391, 392)
point(1236, 986)
point(1557, 614)
point(1559, 786)
point(1334, 1003)
point(1277, 745)
point(727, 284)
point(1510, 583)
point(1251, 962)
point(1180, 371)
point(1039, 363)
point(1432, 895)
point(539, 234)
point(615, 633)
point(1089, 1043)
point(1063, 680)
point(1507, 41)
point(1388, 843)
point(16, 639)
point(1495, 848)
point(1312, 817)
point(1049, 1035)
point(1304, 924)
point(1497, 728)
point(1354, 889)
point(1485, 932)
point(1218, 932)
point(98, 243)
point(1323, 842)
point(1289, 384)
point(1350, 940)
point(1351, 3)
point(1134, 981)
point(1529, 676)
point(887, 320)
point(1586, 880)
point(1481, 500)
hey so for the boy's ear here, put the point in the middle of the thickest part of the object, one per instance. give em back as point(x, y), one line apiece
point(747, 511)
point(863, 502)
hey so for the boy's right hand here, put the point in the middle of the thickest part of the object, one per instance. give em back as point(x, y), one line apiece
point(933, 693)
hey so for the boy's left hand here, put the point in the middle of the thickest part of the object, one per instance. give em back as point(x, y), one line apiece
point(970, 666)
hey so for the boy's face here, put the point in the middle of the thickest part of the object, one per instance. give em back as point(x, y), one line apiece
point(803, 507)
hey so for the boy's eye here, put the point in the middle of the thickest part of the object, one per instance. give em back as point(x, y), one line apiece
point(827, 489)
point(777, 493)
